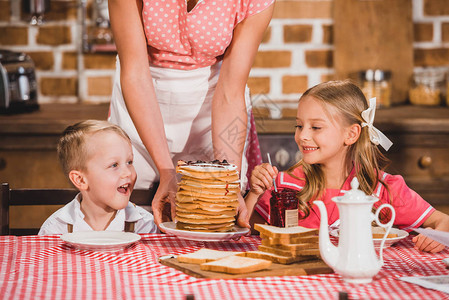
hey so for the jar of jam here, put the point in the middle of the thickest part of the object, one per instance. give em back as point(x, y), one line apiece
point(284, 208)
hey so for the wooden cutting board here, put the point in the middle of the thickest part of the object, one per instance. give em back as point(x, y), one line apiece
point(375, 34)
point(310, 267)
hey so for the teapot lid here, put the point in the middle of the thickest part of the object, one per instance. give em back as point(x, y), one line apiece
point(354, 194)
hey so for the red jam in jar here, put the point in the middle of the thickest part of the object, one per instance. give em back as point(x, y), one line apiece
point(281, 201)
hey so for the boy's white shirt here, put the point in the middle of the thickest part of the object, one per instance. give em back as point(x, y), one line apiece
point(71, 214)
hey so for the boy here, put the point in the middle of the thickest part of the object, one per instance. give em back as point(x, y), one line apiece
point(97, 158)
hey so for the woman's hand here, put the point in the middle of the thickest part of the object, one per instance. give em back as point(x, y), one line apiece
point(262, 178)
point(426, 244)
point(242, 213)
point(163, 204)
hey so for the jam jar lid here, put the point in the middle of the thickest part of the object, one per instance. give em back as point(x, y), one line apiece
point(375, 75)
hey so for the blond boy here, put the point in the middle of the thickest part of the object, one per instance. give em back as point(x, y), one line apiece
point(97, 158)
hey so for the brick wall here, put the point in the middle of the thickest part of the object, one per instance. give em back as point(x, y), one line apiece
point(431, 28)
point(64, 73)
point(296, 53)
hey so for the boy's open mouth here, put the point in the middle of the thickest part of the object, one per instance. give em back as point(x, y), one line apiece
point(124, 188)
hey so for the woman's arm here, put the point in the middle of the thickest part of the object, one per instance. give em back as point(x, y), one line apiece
point(229, 114)
point(139, 94)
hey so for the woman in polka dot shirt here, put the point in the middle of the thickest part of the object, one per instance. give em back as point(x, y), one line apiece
point(180, 89)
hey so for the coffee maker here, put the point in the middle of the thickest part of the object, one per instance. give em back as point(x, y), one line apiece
point(18, 85)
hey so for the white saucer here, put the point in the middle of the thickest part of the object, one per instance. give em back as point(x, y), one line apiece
point(100, 240)
point(401, 234)
point(170, 228)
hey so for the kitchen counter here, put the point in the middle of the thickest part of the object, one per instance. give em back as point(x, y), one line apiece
point(53, 118)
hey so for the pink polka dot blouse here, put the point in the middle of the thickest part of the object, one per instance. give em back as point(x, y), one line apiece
point(183, 40)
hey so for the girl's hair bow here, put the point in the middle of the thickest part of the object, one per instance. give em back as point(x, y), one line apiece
point(375, 135)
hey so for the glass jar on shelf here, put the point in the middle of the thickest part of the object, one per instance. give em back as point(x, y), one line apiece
point(376, 83)
point(102, 33)
point(427, 87)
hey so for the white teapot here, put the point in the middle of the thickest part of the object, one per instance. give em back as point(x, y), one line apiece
point(355, 258)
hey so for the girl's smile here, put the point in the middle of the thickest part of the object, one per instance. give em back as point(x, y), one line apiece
point(307, 149)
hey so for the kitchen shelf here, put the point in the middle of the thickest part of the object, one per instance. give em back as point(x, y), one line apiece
point(102, 48)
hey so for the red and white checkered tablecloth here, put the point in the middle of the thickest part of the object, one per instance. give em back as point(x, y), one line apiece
point(43, 267)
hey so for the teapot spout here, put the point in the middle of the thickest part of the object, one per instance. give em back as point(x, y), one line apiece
point(329, 253)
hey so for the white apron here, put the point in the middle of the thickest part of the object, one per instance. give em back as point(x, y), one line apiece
point(185, 101)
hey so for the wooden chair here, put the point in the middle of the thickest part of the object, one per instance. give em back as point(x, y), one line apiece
point(23, 197)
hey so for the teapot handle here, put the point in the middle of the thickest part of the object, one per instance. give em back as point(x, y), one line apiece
point(387, 227)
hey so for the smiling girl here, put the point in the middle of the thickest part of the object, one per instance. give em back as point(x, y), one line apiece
point(337, 139)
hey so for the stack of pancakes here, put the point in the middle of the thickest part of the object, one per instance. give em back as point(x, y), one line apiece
point(207, 196)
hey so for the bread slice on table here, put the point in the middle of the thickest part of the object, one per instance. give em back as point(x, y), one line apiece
point(236, 265)
point(312, 239)
point(285, 233)
point(285, 246)
point(204, 255)
point(291, 252)
point(279, 259)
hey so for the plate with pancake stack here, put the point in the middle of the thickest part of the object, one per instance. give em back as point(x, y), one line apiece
point(206, 201)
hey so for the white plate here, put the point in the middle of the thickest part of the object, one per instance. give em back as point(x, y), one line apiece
point(100, 240)
point(388, 242)
point(170, 228)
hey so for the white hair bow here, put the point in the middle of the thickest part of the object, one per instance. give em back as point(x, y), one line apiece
point(375, 135)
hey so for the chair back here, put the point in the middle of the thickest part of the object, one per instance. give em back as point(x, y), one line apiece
point(26, 196)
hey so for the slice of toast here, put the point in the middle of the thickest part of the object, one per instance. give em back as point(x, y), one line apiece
point(236, 265)
point(279, 259)
point(290, 247)
point(285, 232)
point(287, 240)
point(291, 252)
point(204, 255)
